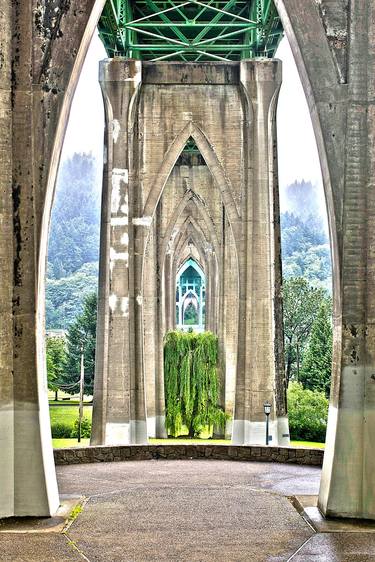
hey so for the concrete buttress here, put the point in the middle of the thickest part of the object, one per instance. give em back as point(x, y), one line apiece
point(119, 405)
point(333, 43)
point(42, 48)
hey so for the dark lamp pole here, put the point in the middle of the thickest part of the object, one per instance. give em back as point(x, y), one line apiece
point(267, 410)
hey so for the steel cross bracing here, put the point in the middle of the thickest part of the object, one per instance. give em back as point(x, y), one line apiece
point(190, 30)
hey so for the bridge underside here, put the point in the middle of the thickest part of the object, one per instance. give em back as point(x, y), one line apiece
point(43, 45)
point(190, 30)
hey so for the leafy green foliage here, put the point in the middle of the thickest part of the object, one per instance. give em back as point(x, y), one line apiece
point(74, 240)
point(304, 240)
point(307, 412)
point(191, 382)
point(74, 236)
point(191, 315)
point(317, 360)
point(67, 414)
point(302, 301)
point(61, 429)
point(82, 335)
point(64, 297)
point(85, 428)
point(56, 356)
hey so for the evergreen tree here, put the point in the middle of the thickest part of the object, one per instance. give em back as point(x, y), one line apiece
point(301, 303)
point(82, 335)
point(317, 360)
point(56, 356)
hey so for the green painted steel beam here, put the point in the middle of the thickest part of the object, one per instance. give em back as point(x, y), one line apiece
point(190, 30)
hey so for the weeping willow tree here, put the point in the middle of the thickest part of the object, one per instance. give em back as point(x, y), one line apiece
point(191, 383)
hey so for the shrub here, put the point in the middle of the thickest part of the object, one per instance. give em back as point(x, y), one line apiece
point(85, 428)
point(61, 430)
point(308, 412)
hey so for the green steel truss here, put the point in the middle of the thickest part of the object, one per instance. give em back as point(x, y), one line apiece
point(190, 30)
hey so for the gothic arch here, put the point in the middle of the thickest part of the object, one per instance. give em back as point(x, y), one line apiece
point(206, 150)
point(196, 201)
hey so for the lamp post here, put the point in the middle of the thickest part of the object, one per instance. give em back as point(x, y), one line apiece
point(81, 391)
point(267, 410)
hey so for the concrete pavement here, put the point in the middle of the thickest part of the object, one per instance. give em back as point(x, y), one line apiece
point(188, 511)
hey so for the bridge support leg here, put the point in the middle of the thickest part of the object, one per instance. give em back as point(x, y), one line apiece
point(337, 72)
point(119, 405)
point(260, 363)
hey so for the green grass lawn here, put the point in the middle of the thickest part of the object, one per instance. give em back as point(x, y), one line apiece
point(309, 444)
point(189, 441)
point(64, 443)
point(67, 414)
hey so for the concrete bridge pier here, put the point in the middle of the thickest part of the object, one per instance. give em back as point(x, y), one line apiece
point(260, 331)
point(224, 204)
point(42, 46)
point(334, 49)
point(119, 406)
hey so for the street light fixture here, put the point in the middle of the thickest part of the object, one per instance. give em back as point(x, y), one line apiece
point(267, 410)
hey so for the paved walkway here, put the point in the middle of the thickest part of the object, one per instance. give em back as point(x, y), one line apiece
point(188, 511)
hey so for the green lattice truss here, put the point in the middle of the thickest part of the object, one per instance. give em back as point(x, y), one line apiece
point(190, 31)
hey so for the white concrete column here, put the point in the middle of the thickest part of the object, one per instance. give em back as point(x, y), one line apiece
point(119, 415)
point(256, 374)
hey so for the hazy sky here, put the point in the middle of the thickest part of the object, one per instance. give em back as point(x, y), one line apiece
point(298, 158)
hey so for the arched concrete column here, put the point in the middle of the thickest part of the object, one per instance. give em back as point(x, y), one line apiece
point(38, 76)
point(119, 414)
point(216, 169)
point(257, 333)
point(334, 49)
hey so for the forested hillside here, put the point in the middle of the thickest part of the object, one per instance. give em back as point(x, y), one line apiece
point(74, 239)
point(304, 237)
point(73, 250)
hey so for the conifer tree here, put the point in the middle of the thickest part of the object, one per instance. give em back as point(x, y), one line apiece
point(82, 335)
point(56, 356)
point(317, 361)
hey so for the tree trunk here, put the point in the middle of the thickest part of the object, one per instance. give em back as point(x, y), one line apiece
point(297, 361)
point(288, 367)
point(191, 431)
point(56, 395)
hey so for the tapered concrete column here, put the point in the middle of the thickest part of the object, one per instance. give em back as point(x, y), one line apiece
point(348, 479)
point(42, 50)
point(334, 49)
point(119, 415)
point(256, 373)
point(201, 307)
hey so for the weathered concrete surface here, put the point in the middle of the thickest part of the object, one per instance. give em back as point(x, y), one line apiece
point(187, 510)
point(119, 411)
point(338, 547)
point(42, 48)
point(156, 206)
point(37, 548)
point(334, 46)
